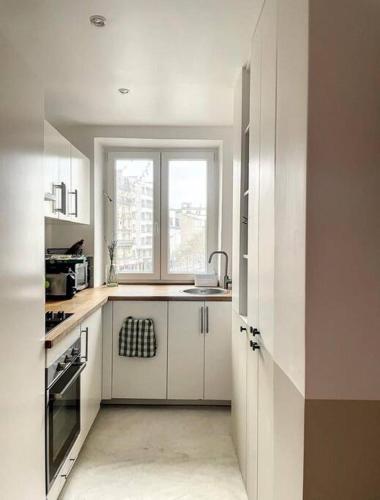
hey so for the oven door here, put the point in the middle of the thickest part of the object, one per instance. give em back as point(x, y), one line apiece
point(62, 419)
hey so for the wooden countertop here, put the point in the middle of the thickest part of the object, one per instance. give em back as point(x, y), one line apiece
point(84, 303)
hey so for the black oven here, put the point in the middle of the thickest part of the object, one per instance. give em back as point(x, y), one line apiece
point(62, 409)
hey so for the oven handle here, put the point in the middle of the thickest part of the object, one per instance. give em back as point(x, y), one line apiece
point(59, 395)
point(86, 332)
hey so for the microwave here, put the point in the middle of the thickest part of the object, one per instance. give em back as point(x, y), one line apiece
point(66, 274)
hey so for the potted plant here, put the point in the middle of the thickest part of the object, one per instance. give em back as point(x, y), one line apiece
point(111, 271)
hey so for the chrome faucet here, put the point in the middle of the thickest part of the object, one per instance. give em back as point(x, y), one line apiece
point(226, 280)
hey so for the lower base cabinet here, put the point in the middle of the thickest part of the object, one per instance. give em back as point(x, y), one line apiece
point(217, 370)
point(247, 410)
point(91, 378)
point(193, 360)
point(199, 350)
point(186, 351)
point(252, 411)
point(91, 391)
point(140, 378)
point(252, 419)
point(239, 391)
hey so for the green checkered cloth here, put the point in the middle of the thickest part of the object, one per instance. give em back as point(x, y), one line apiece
point(137, 338)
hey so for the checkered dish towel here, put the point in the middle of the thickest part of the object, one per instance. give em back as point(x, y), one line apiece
point(137, 338)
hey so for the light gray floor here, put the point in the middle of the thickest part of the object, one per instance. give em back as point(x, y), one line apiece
point(156, 453)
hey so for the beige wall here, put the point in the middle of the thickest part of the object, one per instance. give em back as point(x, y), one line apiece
point(342, 450)
point(343, 214)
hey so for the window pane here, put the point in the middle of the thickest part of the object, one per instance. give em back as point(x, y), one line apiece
point(134, 216)
point(187, 216)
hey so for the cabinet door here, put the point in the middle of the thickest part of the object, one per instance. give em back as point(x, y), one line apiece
point(267, 174)
point(253, 263)
point(140, 378)
point(64, 176)
point(79, 194)
point(51, 148)
point(91, 378)
point(252, 414)
point(265, 445)
point(185, 350)
point(239, 391)
point(254, 180)
point(217, 385)
point(236, 194)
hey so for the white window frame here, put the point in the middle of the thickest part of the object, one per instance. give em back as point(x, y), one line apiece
point(111, 220)
point(161, 158)
point(212, 207)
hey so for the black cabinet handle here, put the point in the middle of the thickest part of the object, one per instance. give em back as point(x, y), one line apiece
point(254, 345)
point(243, 329)
point(254, 331)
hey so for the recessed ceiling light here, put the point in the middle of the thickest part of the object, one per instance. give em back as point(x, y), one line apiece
point(123, 90)
point(98, 21)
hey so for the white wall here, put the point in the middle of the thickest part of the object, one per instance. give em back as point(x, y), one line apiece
point(22, 353)
point(85, 139)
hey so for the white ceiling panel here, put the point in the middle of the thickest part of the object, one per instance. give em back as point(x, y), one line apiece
point(180, 58)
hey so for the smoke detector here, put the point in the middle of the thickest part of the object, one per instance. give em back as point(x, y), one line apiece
point(98, 21)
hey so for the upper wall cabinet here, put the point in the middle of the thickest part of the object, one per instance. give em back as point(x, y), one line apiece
point(66, 179)
point(79, 194)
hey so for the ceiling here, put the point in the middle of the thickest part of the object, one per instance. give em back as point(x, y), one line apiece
point(180, 58)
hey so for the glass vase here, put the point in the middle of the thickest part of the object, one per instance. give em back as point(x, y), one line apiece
point(112, 275)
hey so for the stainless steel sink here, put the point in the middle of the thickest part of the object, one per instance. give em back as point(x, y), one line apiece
point(205, 291)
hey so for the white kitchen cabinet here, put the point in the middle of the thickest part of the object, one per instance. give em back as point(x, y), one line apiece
point(254, 179)
point(217, 375)
point(266, 251)
point(252, 423)
point(186, 350)
point(199, 350)
point(254, 409)
point(239, 390)
point(140, 378)
point(79, 193)
point(90, 332)
point(66, 179)
point(50, 170)
point(56, 172)
point(91, 377)
point(265, 419)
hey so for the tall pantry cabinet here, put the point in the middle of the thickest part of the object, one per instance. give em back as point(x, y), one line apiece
point(253, 304)
point(306, 234)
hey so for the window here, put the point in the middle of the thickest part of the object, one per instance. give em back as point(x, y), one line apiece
point(164, 213)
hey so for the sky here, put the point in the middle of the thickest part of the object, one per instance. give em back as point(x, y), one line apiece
point(187, 179)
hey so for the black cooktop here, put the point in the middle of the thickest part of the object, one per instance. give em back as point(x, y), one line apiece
point(54, 318)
